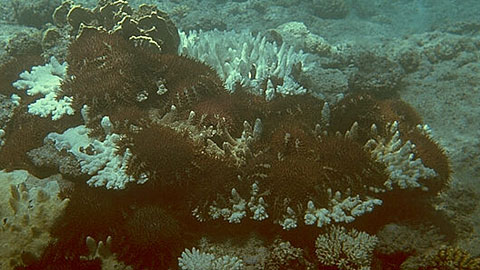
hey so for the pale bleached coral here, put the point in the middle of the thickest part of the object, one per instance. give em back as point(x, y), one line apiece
point(247, 59)
point(347, 250)
point(404, 169)
point(342, 208)
point(101, 159)
point(239, 207)
point(197, 260)
point(46, 80)
point(28, 209)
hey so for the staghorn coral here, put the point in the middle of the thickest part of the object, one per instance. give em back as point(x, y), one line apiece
point(101, 159)
point(10, 69)
point(403, 169)
point(345, 249)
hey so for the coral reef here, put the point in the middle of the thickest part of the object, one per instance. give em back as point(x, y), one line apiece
point(284, 153)
point(169, 150)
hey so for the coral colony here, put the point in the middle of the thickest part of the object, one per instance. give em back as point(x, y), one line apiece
point(161, 148)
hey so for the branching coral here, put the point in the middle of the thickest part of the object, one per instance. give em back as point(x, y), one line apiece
point(344, 249)
point(45, 80)
point(196, 260)
point(248, 60)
